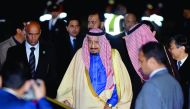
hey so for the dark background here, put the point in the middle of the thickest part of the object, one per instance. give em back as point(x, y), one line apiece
point(13, 10)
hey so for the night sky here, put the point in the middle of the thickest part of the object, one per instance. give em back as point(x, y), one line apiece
point(13, 10)
point(35, 8)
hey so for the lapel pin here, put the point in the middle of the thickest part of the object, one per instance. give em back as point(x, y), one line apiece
point(44, 52)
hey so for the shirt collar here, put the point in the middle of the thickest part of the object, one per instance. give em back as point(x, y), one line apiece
point(17, 43)
point(9, 90)
point(71, 37)
point(183, 60)
point(28, 46)
point(155, 71)
point(54, 20)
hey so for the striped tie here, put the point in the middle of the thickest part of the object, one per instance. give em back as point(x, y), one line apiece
point(178, 64)
point(32, 61)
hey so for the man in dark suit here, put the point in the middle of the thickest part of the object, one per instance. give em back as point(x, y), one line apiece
point(161, 90)
point(179, 49)
point(54, 30)
point(16, 84)
point(71, 43)
point(37, 56)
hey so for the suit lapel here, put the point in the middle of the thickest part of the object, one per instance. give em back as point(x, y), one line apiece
point(23, 50)
point(186, 63)
point(42, 59)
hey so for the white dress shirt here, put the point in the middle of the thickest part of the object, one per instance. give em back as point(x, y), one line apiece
point(36, 52)
point(155, 71)
point(52, 22)
point(182, 61)
point(71, 40)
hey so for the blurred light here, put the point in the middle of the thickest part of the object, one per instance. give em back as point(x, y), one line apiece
point(116, 23)
point(160, 5)
point(48, 16)
point(2, 20)
point(149, 6)
point(45, 17)
point(111, 2)
point(62, 15)
point(154, 18)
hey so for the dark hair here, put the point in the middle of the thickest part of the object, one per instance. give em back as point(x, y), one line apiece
point(100, 15)
point(72, 18)
point(14, 75)
point(154, 50)
point(54, 7)
point(180, 40)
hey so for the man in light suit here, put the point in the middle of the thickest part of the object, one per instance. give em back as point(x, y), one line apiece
point(17, 39)
point(44, 62)
point(161, 91)
point(16, 84)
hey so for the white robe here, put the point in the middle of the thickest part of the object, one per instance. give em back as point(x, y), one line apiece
point(77, 89)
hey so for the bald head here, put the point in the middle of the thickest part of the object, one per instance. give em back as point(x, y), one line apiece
point(33, 32)
point(130, 21)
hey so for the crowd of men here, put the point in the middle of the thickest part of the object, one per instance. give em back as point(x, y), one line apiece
point(92, 69)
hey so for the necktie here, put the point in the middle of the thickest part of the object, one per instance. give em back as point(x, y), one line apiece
point(32, 61)
point(178, 64)
point(51, 24)
point(74, 43)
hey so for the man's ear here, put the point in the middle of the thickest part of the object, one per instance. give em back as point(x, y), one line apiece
point(154, 33)
point(183, 47)
point(151, 61)
point(27, 85)
point(67, 28)
point(102, 25)
point(18, 30)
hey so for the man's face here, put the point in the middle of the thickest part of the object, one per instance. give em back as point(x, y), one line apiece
point(73, 28)
point(130, 21)
point(94, 21)
point(143, 63)
point(55, 14)
point(175, 51)
point(93, 44)
point(33, 32)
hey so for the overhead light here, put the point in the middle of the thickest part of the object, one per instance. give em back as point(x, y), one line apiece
point(154, 18)
point(62, 15)
point(49, 16)
point(45, 17)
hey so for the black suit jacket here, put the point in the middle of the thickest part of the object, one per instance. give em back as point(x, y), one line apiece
point(184, 74)
point(66, 54)
point(57, 32)
point(118, 43)
point(46, 68)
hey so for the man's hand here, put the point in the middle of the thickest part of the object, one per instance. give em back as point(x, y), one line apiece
point(0, 81)
point(66, 102)
point(39, 88)
point(107, 107)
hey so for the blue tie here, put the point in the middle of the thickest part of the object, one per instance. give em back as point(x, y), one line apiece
point(32, 61)
point(178, 64)
point(74, 45)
